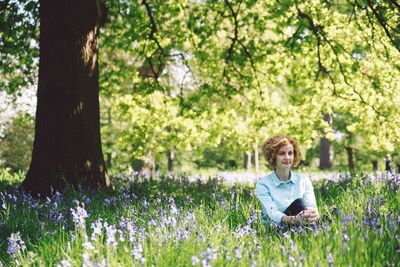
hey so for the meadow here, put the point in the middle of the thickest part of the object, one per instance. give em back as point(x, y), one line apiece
point(183, 220)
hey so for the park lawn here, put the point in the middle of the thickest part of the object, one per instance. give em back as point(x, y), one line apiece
point(180, 221)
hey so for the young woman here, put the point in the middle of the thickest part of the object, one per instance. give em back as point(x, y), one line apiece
point(286, 197)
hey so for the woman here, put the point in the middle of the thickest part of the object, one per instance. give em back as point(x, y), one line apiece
point(286, 197)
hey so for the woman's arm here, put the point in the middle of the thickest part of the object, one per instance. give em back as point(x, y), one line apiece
point(268, 204)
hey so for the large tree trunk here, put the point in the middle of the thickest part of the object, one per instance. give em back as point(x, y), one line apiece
point(326, 149)
point(350, 156)
point(67, 145)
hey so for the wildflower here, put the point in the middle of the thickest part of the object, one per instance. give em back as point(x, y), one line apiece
point(173, 210)
point(121, 236)
point(137, 253)
point(237, 253)
point(329, 257)
point(79, 215)
point(379, 231)
point(86, 260)
point(291, 259)
point(209, 254)
point(97, 229)
point(195, 260)
point(205, 263)
point(15, 245)
point(345, 238)
point(65, 263)
point(283, 249)
point(110, 231)
point(87, 245)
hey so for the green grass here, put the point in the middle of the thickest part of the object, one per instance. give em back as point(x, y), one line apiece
point(173, 222)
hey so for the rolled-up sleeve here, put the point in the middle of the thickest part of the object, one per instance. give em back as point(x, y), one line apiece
point(308, 194)
point(268, 205)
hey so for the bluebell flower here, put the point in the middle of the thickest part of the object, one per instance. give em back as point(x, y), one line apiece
point(237, 252)
point(79, 215)
point(86, 260)
point(15, 245)
point(195, 260)
point(137, 253)
point(65, 263)
point(97, 227)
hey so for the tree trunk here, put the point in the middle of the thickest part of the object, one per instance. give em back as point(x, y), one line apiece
point(350, 156)
point(149, 163)
point(326, 150)
point(247, 160)
point(171, 155)
point(255, 157)
point(375, 164)
point(67, 145)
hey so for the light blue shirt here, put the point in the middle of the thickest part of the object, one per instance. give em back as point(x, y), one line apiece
point(275, 196)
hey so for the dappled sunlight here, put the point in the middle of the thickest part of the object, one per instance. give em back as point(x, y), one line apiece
point(90, 50)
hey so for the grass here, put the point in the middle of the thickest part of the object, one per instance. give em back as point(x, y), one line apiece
point(171, 221)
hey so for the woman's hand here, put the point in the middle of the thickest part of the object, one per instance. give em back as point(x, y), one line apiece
point(308, 216)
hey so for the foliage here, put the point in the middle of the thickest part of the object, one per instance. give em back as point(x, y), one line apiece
point(236, 71)
point(19, 51)
point(16, 145)
point(180, 220)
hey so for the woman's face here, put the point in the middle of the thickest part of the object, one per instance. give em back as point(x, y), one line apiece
point(284, 157)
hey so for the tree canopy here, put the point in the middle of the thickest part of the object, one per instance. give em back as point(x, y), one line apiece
point(184, 73)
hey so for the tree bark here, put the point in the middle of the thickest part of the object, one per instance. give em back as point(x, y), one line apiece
point(247, 160)
point(375, 164)
point(326, 150)
point(350, 156)
point(255, 157)
point(149, 163)
point(67, 145)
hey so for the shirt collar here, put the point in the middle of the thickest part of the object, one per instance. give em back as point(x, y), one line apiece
point(277, 182)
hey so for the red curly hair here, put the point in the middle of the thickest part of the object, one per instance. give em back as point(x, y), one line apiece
point(271, 147)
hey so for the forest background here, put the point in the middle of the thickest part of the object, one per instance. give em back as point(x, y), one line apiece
point(199, 85)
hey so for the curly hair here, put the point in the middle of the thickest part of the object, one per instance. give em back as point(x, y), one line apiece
point(271, 147)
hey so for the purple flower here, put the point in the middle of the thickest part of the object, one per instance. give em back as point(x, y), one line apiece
point(110, 231)
point(79, 215)
point(195, 260)
point(137, 253)
point(86, 260)
point(65, 263)
point(329, 257)
point(97, 229)
point(15, 245)
point(237, 253)
point(345, 238)
point(87, 245)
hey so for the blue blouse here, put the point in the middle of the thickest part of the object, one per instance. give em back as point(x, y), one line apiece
point(275, 196)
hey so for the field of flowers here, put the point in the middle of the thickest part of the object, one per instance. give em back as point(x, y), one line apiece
point(190, 221)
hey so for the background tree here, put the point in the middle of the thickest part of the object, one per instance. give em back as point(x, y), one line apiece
point(16, 144)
